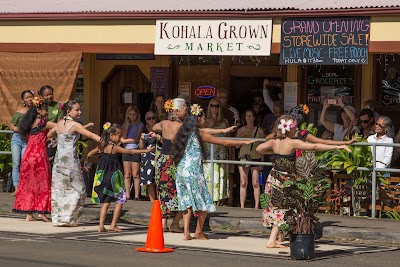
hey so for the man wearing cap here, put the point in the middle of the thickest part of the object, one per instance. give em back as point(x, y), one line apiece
point(347, 113)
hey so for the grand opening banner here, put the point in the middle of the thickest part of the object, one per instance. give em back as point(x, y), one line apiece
point(325, 41)
point(213, 37)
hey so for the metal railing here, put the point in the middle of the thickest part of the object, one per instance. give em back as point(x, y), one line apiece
point(6, 132)
point(374, 170)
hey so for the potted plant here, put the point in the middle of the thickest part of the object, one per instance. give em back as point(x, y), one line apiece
point(304, 195)
point(361, 156)
point(301, 196)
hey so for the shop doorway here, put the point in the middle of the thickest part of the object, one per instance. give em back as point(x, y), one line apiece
point(244, 89)
point(125, 85)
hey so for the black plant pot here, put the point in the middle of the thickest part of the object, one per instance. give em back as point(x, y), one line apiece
point(302, 246)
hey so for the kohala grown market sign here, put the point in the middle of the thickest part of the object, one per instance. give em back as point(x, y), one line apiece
point(213, 37)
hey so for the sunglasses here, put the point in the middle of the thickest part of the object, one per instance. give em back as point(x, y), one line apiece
point(150, 118)
point(379, 125)
point(363, 121)
point(214, 106)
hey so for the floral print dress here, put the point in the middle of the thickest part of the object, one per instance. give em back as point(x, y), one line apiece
point(165, 172)
point(284, 169)
point(67, 188)
point(190, 182)
point(108, 184)
point(221, 170)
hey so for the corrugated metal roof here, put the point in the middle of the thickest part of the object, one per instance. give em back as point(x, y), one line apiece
point(97, 6)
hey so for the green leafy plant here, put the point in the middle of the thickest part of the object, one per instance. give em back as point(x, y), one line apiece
point(5, 145)
point(310, 127)
point(392, 214)
point(301, 197)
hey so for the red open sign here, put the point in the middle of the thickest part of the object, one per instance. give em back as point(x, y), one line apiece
point(205, 92)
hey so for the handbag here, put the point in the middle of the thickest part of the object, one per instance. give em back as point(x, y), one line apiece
point(246, 157)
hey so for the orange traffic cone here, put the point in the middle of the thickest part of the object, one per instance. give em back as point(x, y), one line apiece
point(155, 235)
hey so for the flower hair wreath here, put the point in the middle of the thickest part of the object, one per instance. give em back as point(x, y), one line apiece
point(196, 110)
point(285, 126)
point(168, 106)
point(37, 101)
point(106, 125)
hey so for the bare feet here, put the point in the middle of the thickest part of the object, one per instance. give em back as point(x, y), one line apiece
point(102, 230)
point(43, 217)
point(201, 236)
point(115, 229)
point(187, 238)
point(281, 238)
point(30, 218)
point(276, 245)
point(175, 230)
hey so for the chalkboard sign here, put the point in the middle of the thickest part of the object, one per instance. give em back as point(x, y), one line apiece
point(159, 80)
point(325, 41)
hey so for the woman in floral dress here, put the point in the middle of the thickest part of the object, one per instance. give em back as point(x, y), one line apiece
point(284, 158)
point(215, 120)
point(68, 188)
point(188, 154)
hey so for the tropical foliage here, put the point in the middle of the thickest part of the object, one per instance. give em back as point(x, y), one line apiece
point(5, 145)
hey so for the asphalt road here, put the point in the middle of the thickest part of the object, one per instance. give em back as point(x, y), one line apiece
point(35, 250)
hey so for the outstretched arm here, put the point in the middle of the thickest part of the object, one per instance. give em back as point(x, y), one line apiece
point(267, 98)
point(93, 152)
point(298, 144)
point(80, 129)
point(313, 139)
point(206, 137)
point(218, 131)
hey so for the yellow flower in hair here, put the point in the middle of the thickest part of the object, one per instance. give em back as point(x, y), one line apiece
point(169, 105)
point(106, 125)
point(306, 109)
point(37, 101)
point(196, 110)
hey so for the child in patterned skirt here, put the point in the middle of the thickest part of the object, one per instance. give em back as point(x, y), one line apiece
point(108, 184)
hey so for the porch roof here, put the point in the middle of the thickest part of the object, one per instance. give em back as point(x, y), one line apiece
point(164, 6)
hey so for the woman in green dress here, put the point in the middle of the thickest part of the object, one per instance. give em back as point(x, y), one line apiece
point(55, 114)
point(18, 143)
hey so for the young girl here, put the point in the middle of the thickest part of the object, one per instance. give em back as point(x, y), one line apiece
point(187, 154)
point(108, 185)
point(34, 191)
point(284, 160)
point(68, 187)
point(18, 143)
point(132, 130)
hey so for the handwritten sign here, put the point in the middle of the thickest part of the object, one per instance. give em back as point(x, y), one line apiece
point(184, 90)
point(325, 41)
point(159, 80)
point(290, 93)
point(328, 82)
point(213, 37)
point(205, 92)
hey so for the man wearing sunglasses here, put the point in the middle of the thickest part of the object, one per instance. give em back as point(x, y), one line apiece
point(366, 122)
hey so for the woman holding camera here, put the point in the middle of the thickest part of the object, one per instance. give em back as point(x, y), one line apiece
point(249, 153)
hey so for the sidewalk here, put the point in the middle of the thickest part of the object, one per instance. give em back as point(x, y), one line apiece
point(242, 221)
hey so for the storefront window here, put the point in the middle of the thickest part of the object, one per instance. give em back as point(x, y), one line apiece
point(328, 81)
point(390, 84)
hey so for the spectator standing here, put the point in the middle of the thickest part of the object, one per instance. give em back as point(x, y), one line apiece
point(347, 113)
point(232, 116)
point(157, 106)
point(248, 152)
point(132, 129)
point(366, 122)
point(372, 105)
point(215, 120)
point(147, 160)
point(18, 143)
point(384, 133)
point(55, 114)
